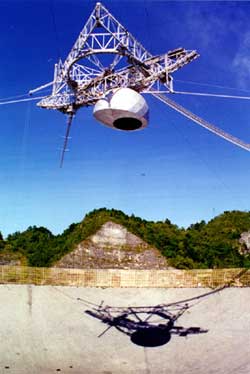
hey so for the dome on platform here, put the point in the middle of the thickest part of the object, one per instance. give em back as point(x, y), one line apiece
point(125, 110)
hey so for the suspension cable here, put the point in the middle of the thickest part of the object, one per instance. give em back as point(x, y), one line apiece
point(21, 100)
point(211, 85)
point(13, 97)
point(198, 94)
point(57, 39)
point(212, 94)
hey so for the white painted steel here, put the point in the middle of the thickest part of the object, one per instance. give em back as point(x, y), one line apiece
point(209, 126)
point(76, 85)
point(125, 103)
point(89, 84)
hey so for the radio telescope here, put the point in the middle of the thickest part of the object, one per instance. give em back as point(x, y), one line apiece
point(109, 69)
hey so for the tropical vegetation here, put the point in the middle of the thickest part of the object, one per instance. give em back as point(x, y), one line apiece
point(213, 244)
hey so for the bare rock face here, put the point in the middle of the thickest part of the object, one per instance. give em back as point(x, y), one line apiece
point(245, 241)
point(11, 259)
point(113, 246)
point(112, 234)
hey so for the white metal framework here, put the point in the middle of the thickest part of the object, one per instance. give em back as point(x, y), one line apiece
point(105, 57)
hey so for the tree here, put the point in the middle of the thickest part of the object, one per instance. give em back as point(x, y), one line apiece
point(2, 242)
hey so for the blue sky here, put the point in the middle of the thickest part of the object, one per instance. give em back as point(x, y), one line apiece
point(173, 169)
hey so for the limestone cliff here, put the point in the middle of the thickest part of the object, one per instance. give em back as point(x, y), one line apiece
point(12, 259)
point(245, 243)
point(113, 246)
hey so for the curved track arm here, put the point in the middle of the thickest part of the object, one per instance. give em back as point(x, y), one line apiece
point(202, 122)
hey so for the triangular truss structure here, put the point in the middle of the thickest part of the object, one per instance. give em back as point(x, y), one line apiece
point(83, 78)
point(106, 57)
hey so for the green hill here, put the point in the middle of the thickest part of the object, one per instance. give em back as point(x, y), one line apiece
point(214, 244)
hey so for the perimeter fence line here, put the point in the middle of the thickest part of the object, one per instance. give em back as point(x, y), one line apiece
point(119, 278)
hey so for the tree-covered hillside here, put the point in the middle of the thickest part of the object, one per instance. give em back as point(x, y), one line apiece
point(202, 245)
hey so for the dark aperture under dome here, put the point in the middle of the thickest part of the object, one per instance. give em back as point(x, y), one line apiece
point(127, 123)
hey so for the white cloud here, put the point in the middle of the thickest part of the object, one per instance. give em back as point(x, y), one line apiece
point(241, 61)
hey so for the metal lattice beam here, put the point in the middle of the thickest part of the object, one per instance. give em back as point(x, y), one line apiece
point(87, 74)
point(78, 84)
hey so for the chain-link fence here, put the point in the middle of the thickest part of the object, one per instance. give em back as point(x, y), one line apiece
point(124, 278)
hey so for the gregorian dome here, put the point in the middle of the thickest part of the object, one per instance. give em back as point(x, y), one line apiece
point(125, 110)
